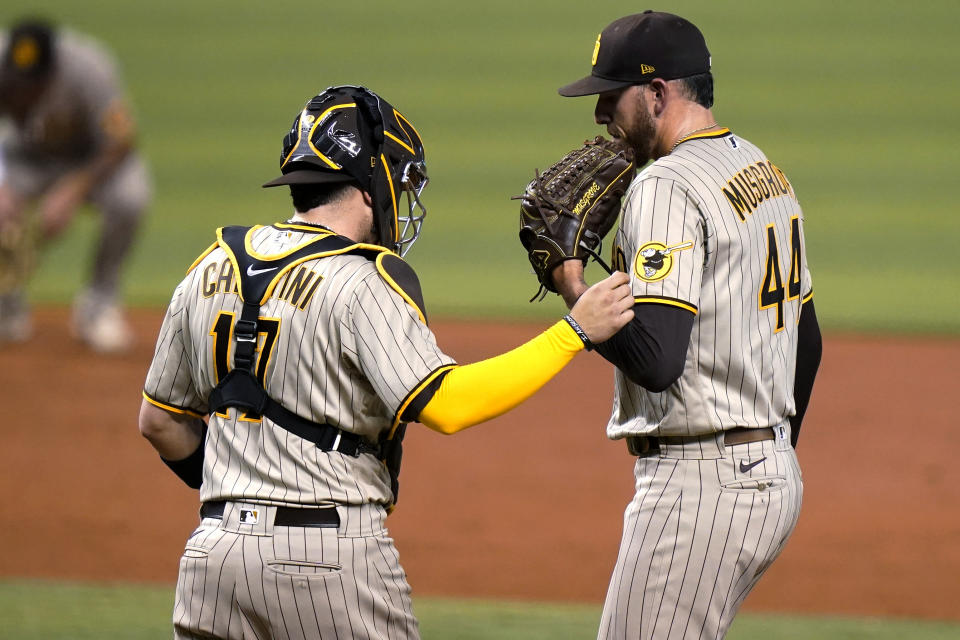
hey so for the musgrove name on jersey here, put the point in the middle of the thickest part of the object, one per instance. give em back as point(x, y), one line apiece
point(757, 182)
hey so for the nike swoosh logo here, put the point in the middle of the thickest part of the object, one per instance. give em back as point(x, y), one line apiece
point(746, 467)
point(252, 272)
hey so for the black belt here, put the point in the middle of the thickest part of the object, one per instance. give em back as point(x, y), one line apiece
point(325, 517)
point(644, 446)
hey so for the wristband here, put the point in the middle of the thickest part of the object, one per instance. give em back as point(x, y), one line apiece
point(190, 469)
point(580, 332)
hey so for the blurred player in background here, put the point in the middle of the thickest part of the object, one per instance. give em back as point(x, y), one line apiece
point(67, 139)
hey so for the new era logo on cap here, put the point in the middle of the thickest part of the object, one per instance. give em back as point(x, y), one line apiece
point(645, 69)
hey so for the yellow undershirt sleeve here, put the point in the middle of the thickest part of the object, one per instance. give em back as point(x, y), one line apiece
point(473, 393)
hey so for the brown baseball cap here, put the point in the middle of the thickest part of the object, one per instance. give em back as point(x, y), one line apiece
point(637, 48)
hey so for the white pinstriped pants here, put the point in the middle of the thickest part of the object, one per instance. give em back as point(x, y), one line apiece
point(698, 535)
point(257, 581)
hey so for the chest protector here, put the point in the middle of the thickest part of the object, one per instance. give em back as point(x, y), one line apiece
point(241, 389)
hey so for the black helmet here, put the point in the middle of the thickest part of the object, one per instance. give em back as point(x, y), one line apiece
point(350, 134)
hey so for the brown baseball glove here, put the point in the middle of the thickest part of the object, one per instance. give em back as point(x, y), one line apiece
point(567, 210)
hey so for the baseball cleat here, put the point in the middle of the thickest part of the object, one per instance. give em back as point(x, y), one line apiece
point(103, 327)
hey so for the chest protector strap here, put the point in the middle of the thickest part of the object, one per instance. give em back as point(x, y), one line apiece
point(240, 388)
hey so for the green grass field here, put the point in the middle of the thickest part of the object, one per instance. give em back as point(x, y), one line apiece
point(847, 97)
point(34, 610)
point(852, 99)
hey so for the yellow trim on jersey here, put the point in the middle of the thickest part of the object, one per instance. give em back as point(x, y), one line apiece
point(473, 393)
point(170, 407)
point(807, 298)
point(396, 287)
point(203, 255)
point(667, 301)
point(413, 394)
point(709, 134)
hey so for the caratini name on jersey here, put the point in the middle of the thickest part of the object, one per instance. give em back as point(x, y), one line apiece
point(297, 286)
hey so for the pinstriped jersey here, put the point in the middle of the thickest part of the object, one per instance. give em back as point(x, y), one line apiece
point(337, 344)
point(715, 228)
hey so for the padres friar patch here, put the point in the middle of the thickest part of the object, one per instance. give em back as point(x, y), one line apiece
point(655, 260)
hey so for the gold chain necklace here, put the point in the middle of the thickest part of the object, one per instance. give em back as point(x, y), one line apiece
point(688, 134)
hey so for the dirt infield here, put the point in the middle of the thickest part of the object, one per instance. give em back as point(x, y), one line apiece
point(527, 506)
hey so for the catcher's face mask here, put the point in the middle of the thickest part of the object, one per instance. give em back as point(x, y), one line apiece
point(412, 183)
point(399, 178)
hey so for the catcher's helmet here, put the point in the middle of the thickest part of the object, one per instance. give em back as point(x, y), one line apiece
point(350, 134)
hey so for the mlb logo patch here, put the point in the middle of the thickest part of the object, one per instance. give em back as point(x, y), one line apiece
point(249, 516)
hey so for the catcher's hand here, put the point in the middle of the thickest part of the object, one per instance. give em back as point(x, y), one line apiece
point(567, 210)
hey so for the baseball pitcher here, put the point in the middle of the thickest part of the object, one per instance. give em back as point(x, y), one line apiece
point(715, 371)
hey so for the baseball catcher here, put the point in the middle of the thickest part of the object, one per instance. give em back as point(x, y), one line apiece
point(290, 361)
point(567, 210)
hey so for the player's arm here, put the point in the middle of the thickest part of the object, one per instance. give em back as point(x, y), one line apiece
point(171, 412)
point(809, 351)
point(651, 350)
point(117, 136)
point(467, 395)
point(178, 438)
point(101, 97)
